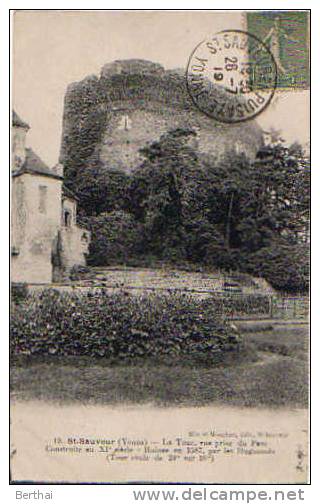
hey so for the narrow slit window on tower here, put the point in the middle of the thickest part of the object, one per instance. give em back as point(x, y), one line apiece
point(43, 199)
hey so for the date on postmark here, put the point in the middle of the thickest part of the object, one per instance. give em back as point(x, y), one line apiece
point(225, 83)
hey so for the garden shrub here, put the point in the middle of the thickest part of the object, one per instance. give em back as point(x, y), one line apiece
point(79, 272)
point(285, 266)
point(19, 292)
point(120, 326)
point(115, 238)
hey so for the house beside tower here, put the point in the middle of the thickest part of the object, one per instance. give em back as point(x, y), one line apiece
point(46, 241)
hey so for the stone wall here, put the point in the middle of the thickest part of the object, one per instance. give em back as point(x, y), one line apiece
point(71, 244)
point(44, 246)
point(74, 239)
point(132, 103)
point(35, 223)
point(75, 242)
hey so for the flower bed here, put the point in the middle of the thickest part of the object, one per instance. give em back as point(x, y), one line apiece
point(120, 326)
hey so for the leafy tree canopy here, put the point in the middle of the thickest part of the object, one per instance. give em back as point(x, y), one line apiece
point(227, 212)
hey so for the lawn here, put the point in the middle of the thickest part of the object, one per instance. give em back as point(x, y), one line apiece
point(274, 374)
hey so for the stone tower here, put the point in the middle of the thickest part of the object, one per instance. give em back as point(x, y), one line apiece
point(110, 118)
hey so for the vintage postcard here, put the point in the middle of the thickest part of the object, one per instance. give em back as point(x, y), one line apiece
point(160, 196)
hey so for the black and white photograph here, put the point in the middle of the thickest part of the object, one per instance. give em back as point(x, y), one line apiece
point(160, 246)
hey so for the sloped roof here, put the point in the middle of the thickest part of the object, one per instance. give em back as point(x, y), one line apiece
point(17, 121)
point(34, 164)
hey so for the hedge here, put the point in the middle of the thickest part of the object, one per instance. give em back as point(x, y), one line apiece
point(19, 293)
point(120, 326)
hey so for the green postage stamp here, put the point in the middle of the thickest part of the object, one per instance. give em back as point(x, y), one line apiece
point(286, 34)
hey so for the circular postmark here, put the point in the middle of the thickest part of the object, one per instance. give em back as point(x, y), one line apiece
point(231, 76)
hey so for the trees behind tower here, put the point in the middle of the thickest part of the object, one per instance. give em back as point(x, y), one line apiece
point(180, 205)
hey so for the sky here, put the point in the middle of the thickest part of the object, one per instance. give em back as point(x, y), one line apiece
point(51, 49)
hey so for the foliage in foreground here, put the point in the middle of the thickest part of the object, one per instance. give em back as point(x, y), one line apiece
point(19, 292)
point(120, 326)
